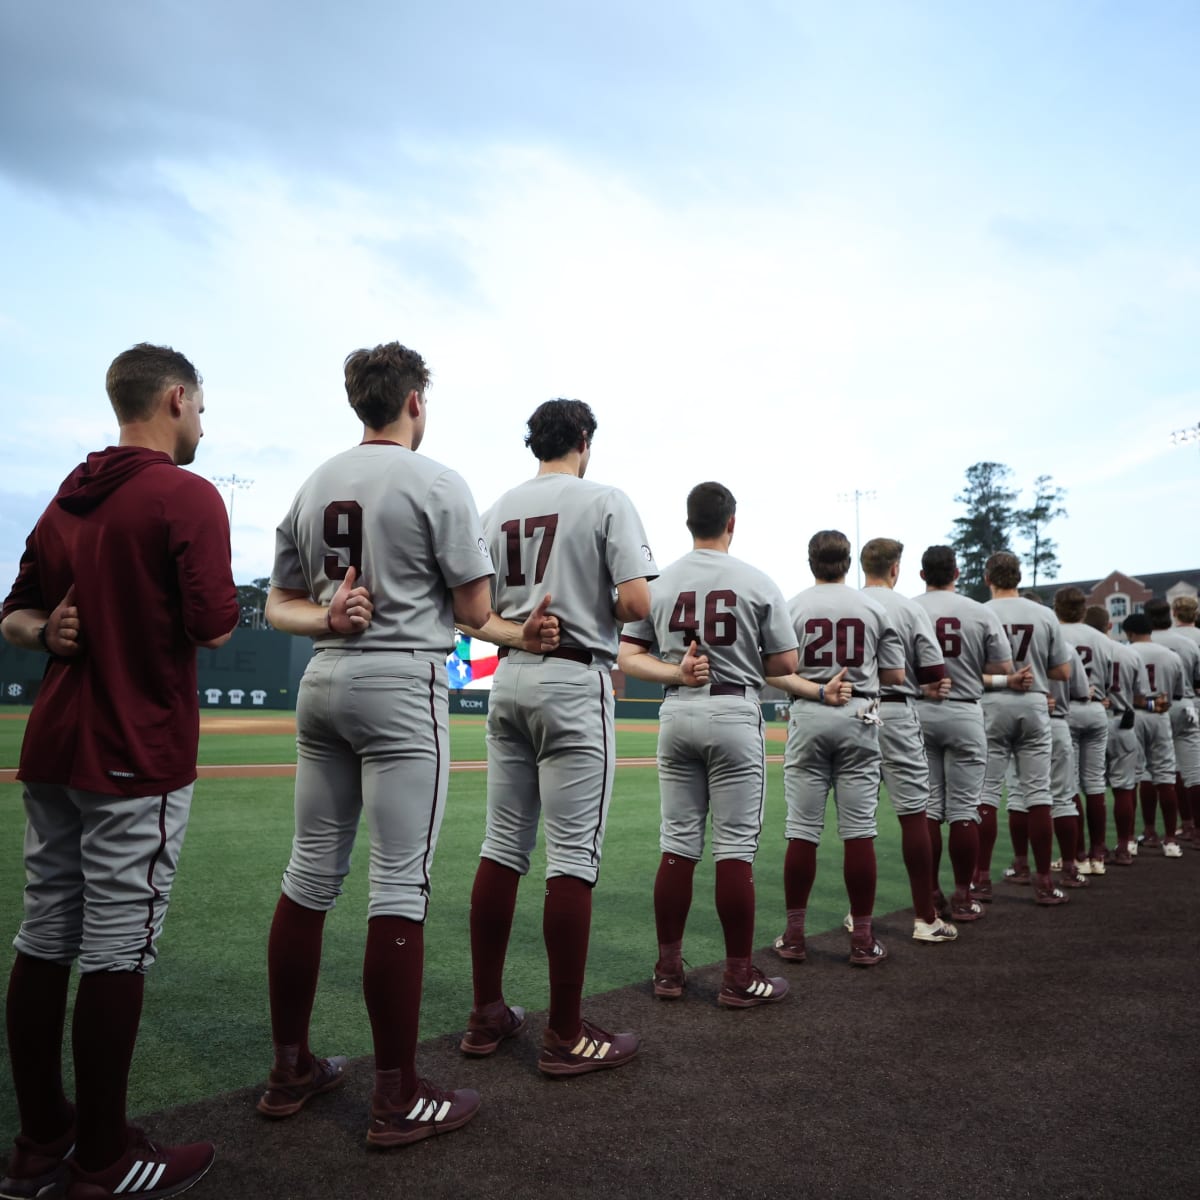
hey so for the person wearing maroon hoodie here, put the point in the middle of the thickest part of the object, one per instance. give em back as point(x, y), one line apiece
point(124, 575)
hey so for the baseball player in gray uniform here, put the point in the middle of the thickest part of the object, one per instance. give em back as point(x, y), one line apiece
point(1088, 723)
point(974, 645)
point(903, 761)
point(579, 547)
point(380, 553)
point(716, 625)
point(837, 628)
point(1184, 610)
point(1018, 723)
point(1164, 671)
point(1185, 725)
point(1127, 689)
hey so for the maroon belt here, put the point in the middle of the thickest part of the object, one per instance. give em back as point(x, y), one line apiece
point(567, 652)
point(893, 699)
point(726, 689)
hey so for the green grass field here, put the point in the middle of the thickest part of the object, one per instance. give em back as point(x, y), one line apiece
point(205, 1027)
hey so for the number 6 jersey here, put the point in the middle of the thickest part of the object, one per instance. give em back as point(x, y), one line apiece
point(407, 524)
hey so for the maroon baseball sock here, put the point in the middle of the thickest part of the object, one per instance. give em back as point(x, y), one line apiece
point(1124, 815)
point(918, 861)
point(799, 872)
point(964, 853)
point(1184, 794)
point(493, 902)
point(393, 969)
point(566, 924)
point(1097, 823)
point(293, 967)
point(935, 853)
point(1080, 851)
point(1041, 837)
point(1018, 830)
point(108, 1010)
point(988, 832)
point(858, 870)
point(673, 897)
point(1169, 801)
point(1066, 830)
point(735, 906)
point(1149, 798)
point(36, 1012)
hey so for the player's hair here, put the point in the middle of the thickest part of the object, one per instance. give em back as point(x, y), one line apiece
point(1096, 615)
point(137, 377)
point(1185, 609)
point(379, 381)
point(1159, 613)
point(829, 555)
point(709, 507)
point(1137, 623)
point(556, 427)
point(879, 555)
point(1033, 597)
point(1003, 570)
point(1069, 605)
point(939, 565)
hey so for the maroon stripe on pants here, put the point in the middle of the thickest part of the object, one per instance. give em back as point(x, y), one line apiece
point(604, 779)
point(437, 774)
point(155, 893)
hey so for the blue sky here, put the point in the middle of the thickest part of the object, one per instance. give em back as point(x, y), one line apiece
point(798, 248)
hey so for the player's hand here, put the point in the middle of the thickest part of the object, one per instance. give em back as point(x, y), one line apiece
point(838, 690)
point(351, 609)
point(540, 633)
point(1022, 680)
point(1161, 703)
point(1107, 702)
point(693, 667)
point(939, 690)
point(64, 634)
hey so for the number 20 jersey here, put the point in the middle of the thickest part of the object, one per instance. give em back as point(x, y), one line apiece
point(575, 540)
point(970, 636)
point(406, 522)
point(837, 626)
point(732, 609)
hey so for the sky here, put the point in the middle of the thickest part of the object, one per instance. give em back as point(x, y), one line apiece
point(806, 250)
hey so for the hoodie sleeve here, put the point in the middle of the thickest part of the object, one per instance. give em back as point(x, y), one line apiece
point(199, 543)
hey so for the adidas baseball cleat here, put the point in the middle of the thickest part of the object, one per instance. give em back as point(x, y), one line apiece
point(963, 907)
point(289, 1091)
point(1046, 894)
point(38, 1169)
point(145, 1170)
point(1017, 874)
point(981, 890)
point(488, 1027)
point(591, 1050)
point(867, 953)
point(1172, 850)
point(936, 930)
point(790, 947)
point(426, 1114)
point(751, 988)
point(668, 978)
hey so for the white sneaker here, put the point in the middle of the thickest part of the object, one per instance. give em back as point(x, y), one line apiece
point(1084, 866)
point(936, 930)
point(1056, 864)
point(848, 923)
point(1172, 850)
point(1098, 867)
point(1132, 847)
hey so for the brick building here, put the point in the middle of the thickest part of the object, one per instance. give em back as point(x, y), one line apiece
point(1123, 594)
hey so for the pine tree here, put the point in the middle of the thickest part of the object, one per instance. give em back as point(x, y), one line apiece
point(985, 527)
point(1042, 554)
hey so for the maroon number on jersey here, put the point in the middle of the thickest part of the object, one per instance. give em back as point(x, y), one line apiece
point(949, 634)
point(548, 524)
point(720, 621)
point(849, 638)
point(1019, 637)
point(1085, 652)
point(1150, 676)
point(343, 531)
point(1116, 678)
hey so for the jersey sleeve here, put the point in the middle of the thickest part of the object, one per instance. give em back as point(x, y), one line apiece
point(1058, 649)
point(456, 532)
point(777, 631)
point(997, 647)
point(287, 572)
point(929, 662)
point(199, 543)
point(641, 633)
point(626, 548)
point(890, 651)
point(1080, 688)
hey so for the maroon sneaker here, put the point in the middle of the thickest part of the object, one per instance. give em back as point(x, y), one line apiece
point(1046, 894)
point(1071, 878)
point(289, 1091)
point(488, 1027)
point(751, 989)
point(963, 907)
point(789, 945)
point(981, 890)
point(145, 1170)
point(1122, 858)
point(1018, 873)
point(591, 1050)
point(1150, 841)
point(867, 953)
point(668, 978)
point(425, 1114)
point(38, 1169)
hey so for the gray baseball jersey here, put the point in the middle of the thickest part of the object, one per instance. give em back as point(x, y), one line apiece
point(837, 627)
point(1086, 717)
point(1184, 727)
point(576, 540)
point(1164, 668)
point(1096, 650)
point(1034, 635)
point(970, 636)
point(407, 524)
point(1128, 683)
point(1189, 654)
point(711, 747)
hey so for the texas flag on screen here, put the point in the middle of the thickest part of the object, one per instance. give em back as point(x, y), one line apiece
point(471, 661)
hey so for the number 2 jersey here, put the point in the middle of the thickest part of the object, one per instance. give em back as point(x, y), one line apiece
point(409, 526)
point(576, 540)
point(732, 609)
point(837, 627)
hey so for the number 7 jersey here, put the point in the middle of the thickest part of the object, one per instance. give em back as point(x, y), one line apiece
point(575, 540)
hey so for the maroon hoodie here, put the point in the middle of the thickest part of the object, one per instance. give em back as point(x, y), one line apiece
point(146, 545)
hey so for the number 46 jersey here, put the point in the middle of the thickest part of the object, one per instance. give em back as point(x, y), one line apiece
point(576, 540)
point(732, 609)
point(406, 523)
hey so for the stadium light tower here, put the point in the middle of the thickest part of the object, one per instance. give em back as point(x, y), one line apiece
point(857, 497)
point(233, 483)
